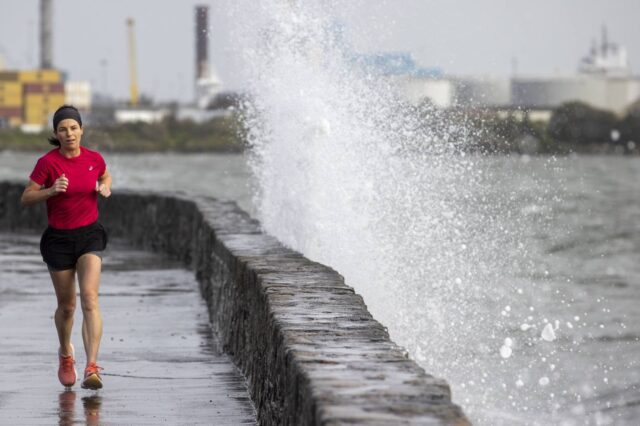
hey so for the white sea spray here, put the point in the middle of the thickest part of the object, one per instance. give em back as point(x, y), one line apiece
point(388, 195)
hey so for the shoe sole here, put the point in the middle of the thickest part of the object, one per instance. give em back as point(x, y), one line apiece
point(92, 382)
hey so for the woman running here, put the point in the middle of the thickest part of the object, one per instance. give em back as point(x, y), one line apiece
point(69, 178)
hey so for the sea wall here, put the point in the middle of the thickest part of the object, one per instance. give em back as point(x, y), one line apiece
point(310, 350)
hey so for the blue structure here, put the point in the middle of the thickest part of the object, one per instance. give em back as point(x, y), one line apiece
point(394, 63)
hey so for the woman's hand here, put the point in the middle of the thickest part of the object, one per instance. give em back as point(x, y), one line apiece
point(103, 189)
point(60, 185)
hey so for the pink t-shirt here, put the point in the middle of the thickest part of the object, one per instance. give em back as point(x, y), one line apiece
point(79, 205)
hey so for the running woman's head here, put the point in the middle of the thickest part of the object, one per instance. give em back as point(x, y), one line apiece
point(67, 126)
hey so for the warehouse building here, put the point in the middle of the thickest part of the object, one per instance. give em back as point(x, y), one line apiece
point(28, 98)
point(604, 80)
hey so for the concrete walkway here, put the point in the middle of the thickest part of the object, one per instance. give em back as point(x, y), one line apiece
point(161, 363)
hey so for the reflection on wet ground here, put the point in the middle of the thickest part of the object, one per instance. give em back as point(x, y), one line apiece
point(162, 364)
point(67, 408)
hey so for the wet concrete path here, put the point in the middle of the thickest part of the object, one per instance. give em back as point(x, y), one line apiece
point(161, 363)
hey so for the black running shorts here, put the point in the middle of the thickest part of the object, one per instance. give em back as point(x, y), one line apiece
point(61, 248)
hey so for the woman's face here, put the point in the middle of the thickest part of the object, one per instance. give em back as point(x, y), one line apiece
point(69, 134)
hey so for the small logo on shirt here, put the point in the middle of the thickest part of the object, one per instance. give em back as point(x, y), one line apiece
point(90, 168)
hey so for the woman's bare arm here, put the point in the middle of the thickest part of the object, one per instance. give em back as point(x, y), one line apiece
point(35, 193)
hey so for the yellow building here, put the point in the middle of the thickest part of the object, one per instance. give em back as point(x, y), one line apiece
point(29, 97)
point(10, 102)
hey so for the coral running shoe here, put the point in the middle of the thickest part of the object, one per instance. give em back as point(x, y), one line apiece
point(67, 370)
point(92, 379)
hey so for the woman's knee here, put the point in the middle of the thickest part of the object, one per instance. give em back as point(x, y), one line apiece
point(89, 302)
point(67, 309)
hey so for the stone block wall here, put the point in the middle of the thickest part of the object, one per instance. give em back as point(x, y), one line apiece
point(310, 350)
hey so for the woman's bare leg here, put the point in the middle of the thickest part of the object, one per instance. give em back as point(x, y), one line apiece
point(89, 266)
point(65, 288)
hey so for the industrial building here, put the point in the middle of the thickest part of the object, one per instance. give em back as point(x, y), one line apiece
point(440, 91)
point(78, 94)
point(609, 93)
point(604, 80)
point(28, 98)
point(485, 91)
point(448, 92)
point(207, 85)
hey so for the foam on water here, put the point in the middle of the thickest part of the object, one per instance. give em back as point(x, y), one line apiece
point(432, 238)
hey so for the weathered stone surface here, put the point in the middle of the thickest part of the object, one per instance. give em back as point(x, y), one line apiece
point(162, 364)
point(309, 348)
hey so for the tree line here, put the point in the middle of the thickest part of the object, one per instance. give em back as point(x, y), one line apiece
point(572, 127)
point(220, 134)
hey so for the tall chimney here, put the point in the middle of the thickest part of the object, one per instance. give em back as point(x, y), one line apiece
point(202, 44)
point(46, 34)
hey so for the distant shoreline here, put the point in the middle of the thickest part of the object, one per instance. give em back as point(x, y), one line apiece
point(217, 135)
point(44, 146)
point(236, 149)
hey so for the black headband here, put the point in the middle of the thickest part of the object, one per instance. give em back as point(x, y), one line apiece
point(63, 113)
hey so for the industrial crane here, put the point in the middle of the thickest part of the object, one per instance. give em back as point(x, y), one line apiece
point(133, 76)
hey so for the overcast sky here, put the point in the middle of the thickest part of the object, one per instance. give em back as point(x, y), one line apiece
point(462, 37)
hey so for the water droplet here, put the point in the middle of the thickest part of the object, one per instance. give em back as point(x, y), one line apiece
point(548, 333)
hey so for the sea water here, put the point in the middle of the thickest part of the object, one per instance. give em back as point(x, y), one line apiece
point(462, 256)
point(583, 246)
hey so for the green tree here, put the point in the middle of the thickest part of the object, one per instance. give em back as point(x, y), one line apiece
point(579, 124)
point(630, 124)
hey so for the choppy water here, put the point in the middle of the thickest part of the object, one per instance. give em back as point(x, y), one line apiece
point(220, 175)
point(568, 263)
point(481, 267)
